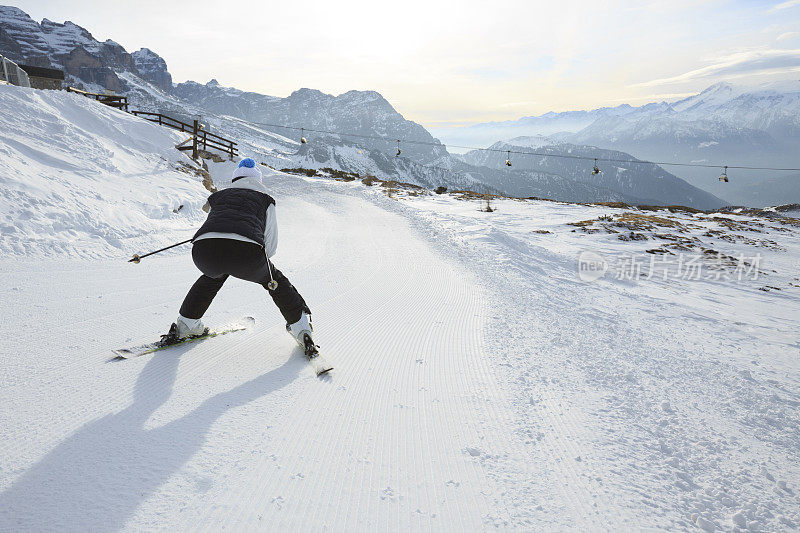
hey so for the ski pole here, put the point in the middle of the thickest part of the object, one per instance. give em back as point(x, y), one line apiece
point(136, 257)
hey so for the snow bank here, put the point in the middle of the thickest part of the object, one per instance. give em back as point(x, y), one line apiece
point(82, 179)
point(674, 397)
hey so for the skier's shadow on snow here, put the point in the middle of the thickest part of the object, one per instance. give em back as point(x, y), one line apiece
point(97, 478)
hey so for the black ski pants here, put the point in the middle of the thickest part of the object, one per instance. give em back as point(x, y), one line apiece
point(219, 258)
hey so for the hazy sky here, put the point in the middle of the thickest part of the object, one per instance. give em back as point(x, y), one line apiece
point(441, 63)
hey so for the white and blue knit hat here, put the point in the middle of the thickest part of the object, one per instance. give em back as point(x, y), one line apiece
point(247, 169)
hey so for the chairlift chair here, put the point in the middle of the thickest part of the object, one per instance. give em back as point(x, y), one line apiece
point(724, 176)
point(399, 151)
point(302, 136)
point(596, 170)
point(508, 158)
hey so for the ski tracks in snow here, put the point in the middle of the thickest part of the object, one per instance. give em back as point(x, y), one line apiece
point(411, 431)
point(388, 440)
point(477, 385)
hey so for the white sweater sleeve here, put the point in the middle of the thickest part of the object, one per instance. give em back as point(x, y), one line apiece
point(271, 232)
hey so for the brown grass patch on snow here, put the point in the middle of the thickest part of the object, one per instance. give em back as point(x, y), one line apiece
point(647, 221)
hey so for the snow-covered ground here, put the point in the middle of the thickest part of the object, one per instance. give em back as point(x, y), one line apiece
point(481, 380)
point(80, 179)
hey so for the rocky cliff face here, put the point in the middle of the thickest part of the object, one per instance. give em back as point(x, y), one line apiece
point(153, 68)
point(72, 48)
point(215, 98)
point(22, 39)
point(10, 47)
point(365, 114)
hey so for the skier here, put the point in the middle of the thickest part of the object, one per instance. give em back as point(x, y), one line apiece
point(237, 239)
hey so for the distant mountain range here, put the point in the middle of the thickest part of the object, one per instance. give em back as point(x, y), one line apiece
point(725, 125)
point(642, 183)
point(244, 116)
point(362, 113)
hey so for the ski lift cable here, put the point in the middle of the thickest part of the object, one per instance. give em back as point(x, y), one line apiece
point(521, 152)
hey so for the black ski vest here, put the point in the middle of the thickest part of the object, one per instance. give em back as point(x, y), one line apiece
point(239, 211)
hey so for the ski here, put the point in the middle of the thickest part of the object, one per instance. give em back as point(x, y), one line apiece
point(318, 363)
point(144, 349)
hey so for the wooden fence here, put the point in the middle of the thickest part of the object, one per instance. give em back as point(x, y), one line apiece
point(201, 139)
point(113, 100)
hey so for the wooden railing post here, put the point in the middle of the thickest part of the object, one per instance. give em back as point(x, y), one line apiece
point(194, 141)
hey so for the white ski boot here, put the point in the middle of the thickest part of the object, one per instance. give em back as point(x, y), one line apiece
point(301, 328)
point(182, 329)
point(190, 327)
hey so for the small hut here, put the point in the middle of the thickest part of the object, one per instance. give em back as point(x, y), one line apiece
point(44, 78)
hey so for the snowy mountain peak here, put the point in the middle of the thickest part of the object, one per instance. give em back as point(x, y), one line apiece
point(362, 96)
point(372, 99)
point(715, 95)
point(22, 38)
point(307, 94)
point(65, 37)
point(11, 13)
point(153, 68)
point(722, 86)
point(144, 53)
point(213, 83)
point(68, 26)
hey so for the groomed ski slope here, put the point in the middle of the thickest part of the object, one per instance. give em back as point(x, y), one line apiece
point(478, 383)
point(236, 432)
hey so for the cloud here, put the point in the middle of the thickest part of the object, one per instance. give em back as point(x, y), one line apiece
point(784, 5)
point(787, 35)
point(653, 97)
point(738, 64)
